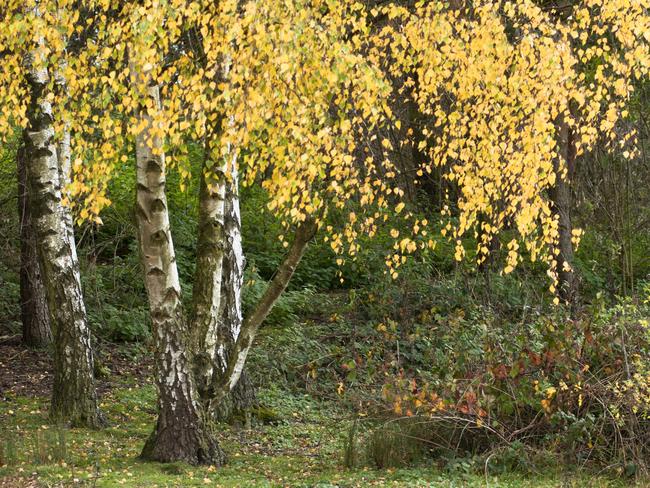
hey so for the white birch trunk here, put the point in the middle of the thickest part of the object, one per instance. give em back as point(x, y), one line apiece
point(74, 399)
point(241, 397)
point(181, 432)
point(234, 262)
point(208, 274)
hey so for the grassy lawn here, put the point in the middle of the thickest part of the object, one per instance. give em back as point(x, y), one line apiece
point(302, 449)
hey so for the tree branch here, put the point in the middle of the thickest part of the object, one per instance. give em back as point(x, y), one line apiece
point(237, 356)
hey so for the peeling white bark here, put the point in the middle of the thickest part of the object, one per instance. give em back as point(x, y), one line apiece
point(74, 398)
point(159, 260)
point(180, 433)
point(209, 271)
point(234, 280)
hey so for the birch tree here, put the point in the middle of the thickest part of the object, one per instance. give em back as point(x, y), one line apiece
point(209, 350)
point(32, 45)
point(181, 432)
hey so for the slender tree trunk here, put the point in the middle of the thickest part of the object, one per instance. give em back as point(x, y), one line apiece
point(561, 198)
point(33, 302)
point(217, 289)
point(208, 275)
point(74, 398)
point(244, 340)
point(233, 267)
point(242, 395)
point(182, 432)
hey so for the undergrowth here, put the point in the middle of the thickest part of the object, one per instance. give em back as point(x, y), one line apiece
point(302, 449)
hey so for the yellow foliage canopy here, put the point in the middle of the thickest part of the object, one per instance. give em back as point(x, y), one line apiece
point(299, 88)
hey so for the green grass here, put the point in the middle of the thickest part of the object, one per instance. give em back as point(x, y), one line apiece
point(303, 449)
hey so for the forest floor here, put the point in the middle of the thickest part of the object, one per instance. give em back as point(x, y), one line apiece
point(303, 447)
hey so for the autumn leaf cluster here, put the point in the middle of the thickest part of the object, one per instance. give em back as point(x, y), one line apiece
point(301, 89)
